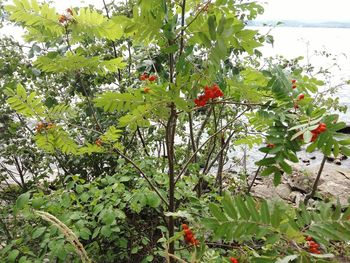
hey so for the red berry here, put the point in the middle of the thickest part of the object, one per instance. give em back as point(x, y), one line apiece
point(270, 145)
point(201, 101)
point(193, 240)
point(188, 232)
point(308, 238)
point(301, 96)
point(188, 238)
point(293, 81)
point(98, 142)
point(294, 86)
point(322, 127)
point(296, 106)
point(152, 78)
point(233, 260)
point(62, 19)
point(184, 226)
point(217, 91)
point(314, 136)
point(143, 77)
point(314, 250)
point(69, 11)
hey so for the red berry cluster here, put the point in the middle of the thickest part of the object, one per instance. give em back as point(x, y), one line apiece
point(234, 260)
point(322, 127)
point(43, 126)
point(189, 237)
point(145, 76)
point(67, 17)
point(212, 92)
point(294, 86)
point(270, 145)
point(313, 246)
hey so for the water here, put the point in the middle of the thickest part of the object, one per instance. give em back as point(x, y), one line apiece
point(292, 42)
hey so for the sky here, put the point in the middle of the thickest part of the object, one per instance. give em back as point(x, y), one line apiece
point(307, 10)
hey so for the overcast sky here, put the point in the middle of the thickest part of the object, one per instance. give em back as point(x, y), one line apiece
point(313, 10)
point(316, 10)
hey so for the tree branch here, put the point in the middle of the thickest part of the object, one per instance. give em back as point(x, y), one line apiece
point(200, 147)
point(154, 188)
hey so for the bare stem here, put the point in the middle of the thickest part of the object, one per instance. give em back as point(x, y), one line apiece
point(314, 187)
point(154, 188)
point(200, 147)
point(255, 176)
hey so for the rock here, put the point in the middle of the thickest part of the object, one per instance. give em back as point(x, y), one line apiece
point(284, 191)
point(336, 160)
point(334, 183)
point(345, 130)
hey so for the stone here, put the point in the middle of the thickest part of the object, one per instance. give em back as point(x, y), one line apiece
point(334, 183)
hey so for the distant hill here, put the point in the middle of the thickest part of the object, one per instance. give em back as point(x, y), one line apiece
point(295, 23)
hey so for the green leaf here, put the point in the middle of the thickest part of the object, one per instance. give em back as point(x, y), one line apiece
point(22, 200)
point(265, 214)
point(287, 259)
point(212, 27)
point(251, 205)
point(277, 178)
point(12, 255)
point(217, 212)
point(344, 142)
point(286, 167)
point(269, 170)
point(345, 151)
point(242, 208)
point(228, 206)
point(266, 161)
point(153, 200)
point(38, 232)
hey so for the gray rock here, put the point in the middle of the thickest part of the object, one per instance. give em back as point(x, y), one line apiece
point(334, 183)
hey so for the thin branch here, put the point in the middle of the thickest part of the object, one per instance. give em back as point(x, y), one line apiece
point(142, 141)
point(200, 147)
point(221, 150)
point(113, 43)
point(89, 101)
point(183, 7)
point(201, 130)
point(314, 187)
point(193, 143)
point(255, 176)
point(194, 19)
point(154, 188)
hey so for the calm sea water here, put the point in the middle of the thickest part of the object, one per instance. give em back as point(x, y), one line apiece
point(292, 42)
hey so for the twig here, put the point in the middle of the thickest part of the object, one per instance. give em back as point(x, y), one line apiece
point(314, 187)
point(113, 43)
point(154, 188)
point(183, 7)
point(194, 19)
point(200, 147)
point(255, 176)
point(142, 141)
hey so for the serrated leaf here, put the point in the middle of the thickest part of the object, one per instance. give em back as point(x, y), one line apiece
point(217, 212)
